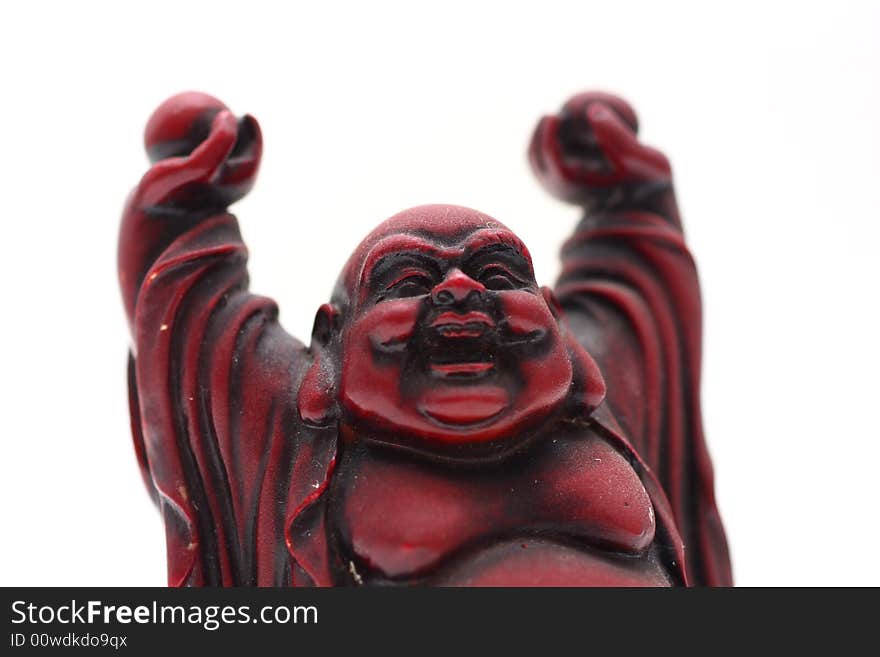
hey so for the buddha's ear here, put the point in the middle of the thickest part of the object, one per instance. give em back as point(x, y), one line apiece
point(552, 302)
point(588, 384)
point(317, 398)
point(326, 326)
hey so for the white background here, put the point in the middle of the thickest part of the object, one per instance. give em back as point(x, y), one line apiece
point(769, 112)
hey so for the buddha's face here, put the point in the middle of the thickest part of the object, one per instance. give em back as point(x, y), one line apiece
point(449, 343)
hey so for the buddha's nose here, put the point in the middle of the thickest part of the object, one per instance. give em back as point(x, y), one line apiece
point(455, 288)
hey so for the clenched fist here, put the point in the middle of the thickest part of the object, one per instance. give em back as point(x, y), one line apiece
point(590, 149)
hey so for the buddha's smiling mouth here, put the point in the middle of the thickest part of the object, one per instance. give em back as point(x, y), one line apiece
point(459, 348)
point(471, 324)
point(462, 354)
point(461, 370)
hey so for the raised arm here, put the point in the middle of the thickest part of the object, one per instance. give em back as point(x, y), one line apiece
point(203, 159)
point(211, 371)
point(630, 292)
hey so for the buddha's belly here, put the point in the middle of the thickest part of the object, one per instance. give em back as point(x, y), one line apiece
point(569, 512)
point(541, 562)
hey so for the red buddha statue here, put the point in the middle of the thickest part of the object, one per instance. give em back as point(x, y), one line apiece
point(450, 422)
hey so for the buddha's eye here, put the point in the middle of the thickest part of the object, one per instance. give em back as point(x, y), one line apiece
point(498, 277)
point(411, 282)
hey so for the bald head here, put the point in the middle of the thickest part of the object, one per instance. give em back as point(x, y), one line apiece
point(444, 230)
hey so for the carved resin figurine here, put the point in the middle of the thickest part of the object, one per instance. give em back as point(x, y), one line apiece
point(451, 422)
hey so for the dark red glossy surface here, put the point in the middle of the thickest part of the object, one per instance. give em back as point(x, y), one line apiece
point(451, 422)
